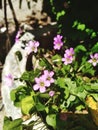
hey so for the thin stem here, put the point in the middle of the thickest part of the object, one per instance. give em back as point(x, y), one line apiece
point(5, 15)
point(48, 101)
point(20, 4)
point(8, 44)
point(14, 15)
point(0, 4)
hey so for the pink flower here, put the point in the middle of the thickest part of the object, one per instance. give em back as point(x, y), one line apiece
point(94, 59)
point(41, 84)
point(51, 93)
point(68, 56)
point(58, 42)
point(18, 36)
point(67, 59)
point(9, 80)
point(69, 52)
point(32, 46)
point(48, 75)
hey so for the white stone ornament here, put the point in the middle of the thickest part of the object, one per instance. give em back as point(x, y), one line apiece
point(16, 68)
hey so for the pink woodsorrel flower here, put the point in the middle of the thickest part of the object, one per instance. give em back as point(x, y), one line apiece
point(58, 42)
point(69, 52)
point(67, 59)
point(32, 46)
point(48, 75)
point(9, 80)
point(41, 84)
point(68, 56)
point(51, 93)
point(94, 59)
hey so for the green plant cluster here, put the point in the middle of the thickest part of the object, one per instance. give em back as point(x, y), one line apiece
point(73, 84)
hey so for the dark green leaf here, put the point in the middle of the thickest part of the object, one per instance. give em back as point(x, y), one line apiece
point(45, 63)
point(94, 48)
point(12, 124)
point(80, 48)
point(30, 75)
point(40, 106)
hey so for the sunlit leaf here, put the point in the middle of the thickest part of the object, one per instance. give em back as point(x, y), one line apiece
point(27, 104)
point(51, 120)
point(81, 27)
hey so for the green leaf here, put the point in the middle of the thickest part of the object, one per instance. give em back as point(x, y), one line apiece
point(59, 14)
point(75, 24)
point(27, 104)
point(70, 99)
point(19, 93)
point(92, 87)
point(94, 48)
point(82, 95)
point(67, 92)
point(56, 59)
point(17, 104)
point(80, 107)
point(12, 124)
point(88, 69)
point(40, 106)
point(30, 75)
point(93, 35)
point(13, 95)
point(55, 108)
point(45, 63)
point(19, 55)
point(47, 109)
point(71, 85)
point(95, 96)
point(51, 120)
point(61, 82)
point(81, 27)
point(80, 48)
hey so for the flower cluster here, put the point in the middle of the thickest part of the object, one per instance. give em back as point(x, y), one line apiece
point(58, 84)
point(68, 56)
point(44, 81)
point(58, 42)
